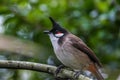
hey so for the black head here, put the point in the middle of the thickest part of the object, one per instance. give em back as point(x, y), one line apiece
point(56, 30)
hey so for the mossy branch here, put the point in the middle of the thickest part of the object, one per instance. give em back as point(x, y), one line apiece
point(40, 68)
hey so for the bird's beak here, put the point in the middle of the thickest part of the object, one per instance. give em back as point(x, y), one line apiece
point(47, 32)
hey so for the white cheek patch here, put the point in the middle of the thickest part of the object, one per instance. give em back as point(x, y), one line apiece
point(59, 35)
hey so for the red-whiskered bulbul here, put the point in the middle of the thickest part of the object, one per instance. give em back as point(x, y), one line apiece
point(72, 51)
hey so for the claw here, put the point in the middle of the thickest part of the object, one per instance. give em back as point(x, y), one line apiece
point(59, 69)
point(77, 73)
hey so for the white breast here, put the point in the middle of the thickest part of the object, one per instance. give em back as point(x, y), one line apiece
point(64, 56)
point(54, 41)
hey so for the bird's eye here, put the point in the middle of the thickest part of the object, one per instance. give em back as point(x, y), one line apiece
point(59, 34)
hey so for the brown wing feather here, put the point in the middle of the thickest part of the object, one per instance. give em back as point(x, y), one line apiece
point(79, 44)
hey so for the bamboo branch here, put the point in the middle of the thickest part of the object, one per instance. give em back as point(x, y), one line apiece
point(40, 68)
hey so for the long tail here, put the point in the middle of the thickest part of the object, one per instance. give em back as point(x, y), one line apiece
point(93, 68)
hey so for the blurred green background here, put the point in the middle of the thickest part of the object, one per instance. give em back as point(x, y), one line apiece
point(22, 23)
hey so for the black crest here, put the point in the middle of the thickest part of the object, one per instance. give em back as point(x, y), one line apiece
point(56, 26)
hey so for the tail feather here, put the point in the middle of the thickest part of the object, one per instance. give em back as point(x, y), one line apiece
point(94, 70)
point(98, 75)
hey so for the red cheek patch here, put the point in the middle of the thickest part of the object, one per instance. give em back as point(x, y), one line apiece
point(58, 32)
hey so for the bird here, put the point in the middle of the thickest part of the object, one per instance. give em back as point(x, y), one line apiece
point(72, 52)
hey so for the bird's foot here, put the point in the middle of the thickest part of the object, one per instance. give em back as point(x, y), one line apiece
point(77, 73)
point(59, 69)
